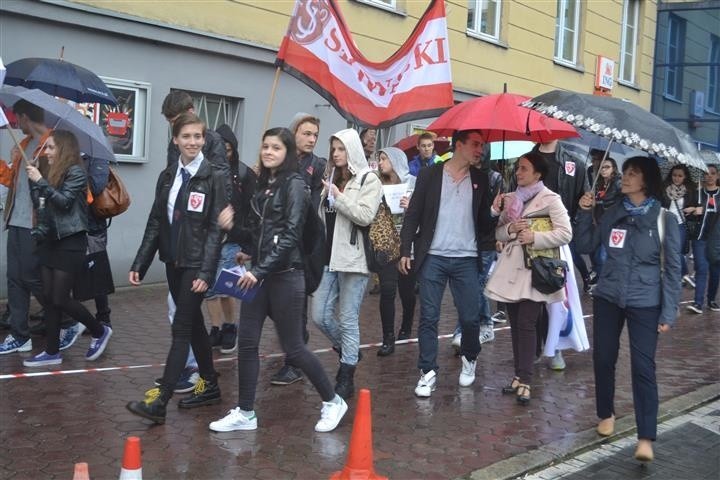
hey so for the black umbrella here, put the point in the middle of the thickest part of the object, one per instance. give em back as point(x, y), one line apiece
point(620, 121)
point(60, 79)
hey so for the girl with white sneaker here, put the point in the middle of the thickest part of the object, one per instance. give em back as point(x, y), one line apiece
point(61, 236)
point(279, 210)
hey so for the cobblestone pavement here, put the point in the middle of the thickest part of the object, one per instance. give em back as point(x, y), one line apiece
point(688, 448)
point(50, 421)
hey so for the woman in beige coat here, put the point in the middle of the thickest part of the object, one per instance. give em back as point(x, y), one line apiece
point(511, 281)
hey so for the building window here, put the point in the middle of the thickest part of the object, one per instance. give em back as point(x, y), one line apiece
point(484, 18)
point(674, 56)
point(389, 4)
point(216, 110)
point(567, 30)
point(712, 97)
point(629, 41)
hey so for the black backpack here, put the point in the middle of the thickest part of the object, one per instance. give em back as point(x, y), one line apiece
point(314, 251)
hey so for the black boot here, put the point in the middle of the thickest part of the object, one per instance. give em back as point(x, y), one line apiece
point(345, 386)
point(205, 393)
point(388, 345)
point(153, 407)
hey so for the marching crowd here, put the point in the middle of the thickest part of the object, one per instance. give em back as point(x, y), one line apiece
point(300, 224)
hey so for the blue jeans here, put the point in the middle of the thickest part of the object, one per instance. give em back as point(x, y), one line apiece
point(707, 275)
point(486, 259)
point(344, 292)
point(462, 272)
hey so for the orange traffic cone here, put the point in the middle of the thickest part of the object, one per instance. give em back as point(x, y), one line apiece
point(359, 465)
point(81, 472)
point(132, 464)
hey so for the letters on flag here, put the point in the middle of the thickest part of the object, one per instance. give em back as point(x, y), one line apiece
point(415, 82)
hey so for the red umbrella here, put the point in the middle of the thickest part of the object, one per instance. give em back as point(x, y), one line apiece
point(500, 117)
point(409, 145)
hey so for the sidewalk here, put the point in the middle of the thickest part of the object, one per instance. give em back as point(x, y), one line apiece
point(75, 412)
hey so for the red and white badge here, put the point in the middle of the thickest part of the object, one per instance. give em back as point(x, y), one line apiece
point(196, 202)
point(310, 170)
point(617, 238)
point(570, 168)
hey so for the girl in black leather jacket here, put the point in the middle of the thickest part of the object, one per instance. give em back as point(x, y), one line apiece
point(61, 233)
point(182, 226)
point(277, 220)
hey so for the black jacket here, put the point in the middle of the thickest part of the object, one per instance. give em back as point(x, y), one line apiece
point(571, 186)
point(422, 213)
point(199, 239)
point(66, 211)
point(277, 225)
point(311, 167)
point(214, 151)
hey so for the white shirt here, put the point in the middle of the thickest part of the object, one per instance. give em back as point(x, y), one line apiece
point(192, 169)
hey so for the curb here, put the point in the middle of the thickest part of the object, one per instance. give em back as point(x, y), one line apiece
point(575, 443)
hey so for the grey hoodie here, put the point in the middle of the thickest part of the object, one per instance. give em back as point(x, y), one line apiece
point(356, 204)
point(399, 162)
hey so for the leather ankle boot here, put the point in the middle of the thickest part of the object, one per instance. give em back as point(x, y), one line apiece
point(388, 345)
point(345, 386)
point(205, 393)
point(153, 406)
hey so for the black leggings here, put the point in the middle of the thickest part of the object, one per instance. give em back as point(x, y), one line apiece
point(391, 281)
point(281, 297)
point(56, 290)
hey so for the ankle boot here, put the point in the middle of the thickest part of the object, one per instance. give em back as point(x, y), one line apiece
point(388, 345)
point(345, 386)
point(153, 406)
point(206, 392)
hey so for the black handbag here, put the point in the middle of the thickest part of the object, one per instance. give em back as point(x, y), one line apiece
point(548, 274)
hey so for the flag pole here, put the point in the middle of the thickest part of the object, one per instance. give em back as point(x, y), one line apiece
point(272, 99)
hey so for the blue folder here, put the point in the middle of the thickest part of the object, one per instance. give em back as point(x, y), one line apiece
point(226, 284)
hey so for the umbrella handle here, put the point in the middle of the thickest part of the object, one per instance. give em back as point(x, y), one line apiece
point(597, 174)
point(17, 143)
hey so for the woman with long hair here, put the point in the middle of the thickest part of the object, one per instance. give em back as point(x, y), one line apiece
point(182, 227)
point(640, 286)
point(511, 281)
point(681, 195)
point(61, 236)
point(607, 192)
point(279, 210)
point(393, 169)
point(351, 197)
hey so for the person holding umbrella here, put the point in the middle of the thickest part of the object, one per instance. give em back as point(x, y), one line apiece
point(640, 286)
point(61, 238)
point(682, 197)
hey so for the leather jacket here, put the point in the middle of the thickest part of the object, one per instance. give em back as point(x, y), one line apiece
point(199, 237)
point(277, 225)
point(66, 211)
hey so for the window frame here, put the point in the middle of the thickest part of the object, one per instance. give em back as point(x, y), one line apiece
point(475, 30)
point(624, 41)
point(712, 105)
point(389, 5)
point(676, 93)
point(560, 28)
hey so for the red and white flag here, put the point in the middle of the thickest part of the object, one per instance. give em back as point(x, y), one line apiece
point(415, 82)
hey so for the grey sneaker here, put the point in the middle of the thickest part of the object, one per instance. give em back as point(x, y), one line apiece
point(487, 334)
point(557, 362)
point(499, 317)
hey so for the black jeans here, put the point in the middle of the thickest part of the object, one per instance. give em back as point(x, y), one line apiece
point(188, 329)
point(642, 331)
point(56, 289)
point(282, 298)
point(23, 278)
point(391, 281)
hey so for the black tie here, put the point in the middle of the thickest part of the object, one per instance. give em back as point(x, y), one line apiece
point(178, 214)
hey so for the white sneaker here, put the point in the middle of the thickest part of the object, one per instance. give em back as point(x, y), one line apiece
point(467, 373)
point(487, 334)
point(234, 420)
point(426, 384)
point(456, 341)
point(690, 281)
point(330, 415)
point(557, 362)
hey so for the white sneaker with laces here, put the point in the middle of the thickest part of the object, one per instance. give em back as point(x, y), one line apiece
point(235, 420)
point(499, 317)
point(467, 372)
point(331, 414)
point(456, 341)
point(487, 334)
point(426, 384)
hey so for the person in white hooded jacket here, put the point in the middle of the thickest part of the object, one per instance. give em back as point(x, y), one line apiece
point(351, 196)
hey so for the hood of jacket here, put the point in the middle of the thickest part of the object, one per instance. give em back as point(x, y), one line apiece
point(399, 162)
point(227, 135)
point(357, 163)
